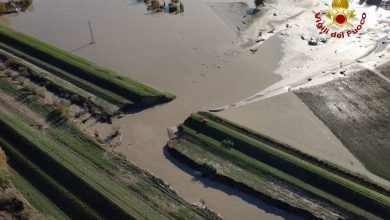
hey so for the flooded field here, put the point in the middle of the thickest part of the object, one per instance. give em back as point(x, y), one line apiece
point(183, 54)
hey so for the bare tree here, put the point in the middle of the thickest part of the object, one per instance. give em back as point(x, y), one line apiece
point(21, 80)
point(29, 86)
point(3, 8)
point(23, 70)
point(40, 91)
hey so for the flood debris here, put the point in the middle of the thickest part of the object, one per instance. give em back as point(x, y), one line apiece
point(271, 31)
point(258, 3)
point(154, 5)
point(380, 3)
point(173, 7)
point(14, 6)
point(173, 133)
point(313, 43)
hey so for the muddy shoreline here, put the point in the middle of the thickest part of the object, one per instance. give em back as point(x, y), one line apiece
point(237, 185)
point(247, 189)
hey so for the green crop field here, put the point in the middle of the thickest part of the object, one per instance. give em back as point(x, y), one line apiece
point(36, 198)
point(215, 140)
point(74, 177)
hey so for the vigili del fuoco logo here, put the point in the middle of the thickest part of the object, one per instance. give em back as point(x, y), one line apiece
point(340, 20)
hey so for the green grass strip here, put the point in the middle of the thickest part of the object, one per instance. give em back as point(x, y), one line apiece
point(68, 201)
point(310, 173)
point(85, 180)
point(69, 136)
point(36, 198)
point(255, 174)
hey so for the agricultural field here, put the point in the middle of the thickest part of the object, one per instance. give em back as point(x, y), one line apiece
point(66, 174)
point(274, 171)
point(360, 108)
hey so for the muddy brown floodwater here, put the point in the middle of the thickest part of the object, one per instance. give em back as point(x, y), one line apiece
point(182, 54)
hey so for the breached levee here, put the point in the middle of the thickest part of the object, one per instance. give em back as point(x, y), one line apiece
point(275, 172)
point(104, 83)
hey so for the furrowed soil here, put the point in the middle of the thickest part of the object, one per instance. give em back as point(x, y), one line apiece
point(357, 111)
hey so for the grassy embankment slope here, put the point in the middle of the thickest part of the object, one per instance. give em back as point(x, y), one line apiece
point(222, 149)
point(97, 80)
point(73, 177)
point(12, 203)
point(56, 84)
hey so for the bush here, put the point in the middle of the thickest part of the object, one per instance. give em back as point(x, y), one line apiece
point(208, 169)
point(40, 91)
point(64, 108)
point(29, 86)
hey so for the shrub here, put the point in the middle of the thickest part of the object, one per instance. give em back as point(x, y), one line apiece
point(64, 108)
point(40, 91)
